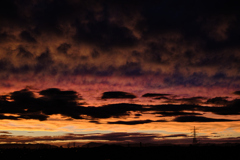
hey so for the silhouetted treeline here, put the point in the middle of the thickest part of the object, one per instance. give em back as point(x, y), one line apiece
point(114, 152)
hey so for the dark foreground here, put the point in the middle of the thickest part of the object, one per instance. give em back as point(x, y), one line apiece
point(109, 152)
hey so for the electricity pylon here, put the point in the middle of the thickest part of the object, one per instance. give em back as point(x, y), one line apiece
point(195, 141)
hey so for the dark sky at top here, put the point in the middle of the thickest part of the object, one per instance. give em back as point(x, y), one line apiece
point(193, 43)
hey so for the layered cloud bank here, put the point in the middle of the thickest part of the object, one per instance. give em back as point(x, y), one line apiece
point(25, 104)
point(123, 138)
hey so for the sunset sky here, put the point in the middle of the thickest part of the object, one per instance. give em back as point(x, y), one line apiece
point(119, 71)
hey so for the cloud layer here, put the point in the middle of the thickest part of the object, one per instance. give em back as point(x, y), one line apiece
point(26, 104)
point(186, 44)
point(124, 138)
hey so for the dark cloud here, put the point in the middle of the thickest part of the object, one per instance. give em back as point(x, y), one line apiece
point(5, 37)
point(218, 100)
point(61, 102)
point(176, 113)
point(23, 53)
point(138, 115)
point(219, 76)
point(96, 122)
point(9, 117)
point(23, 96)
point(117, 94)
point(86, 70)
point(227, 108)
point(95, 54)
point(45, 58)
point(111, 137)
point(196, 79)
point(44, 63)
point(112, 110)
point(175, 108)
point(135, 122)
point(64, 47)
point(131, 69)
point(33, 115)
point(190, 101)
point(5, 132)
point(26, 36)
point(199, 119)
point(55, 101)
point(103, 34)
point(5, 65)
point(236, 92)
point(24, 105)
point(155, 95)
point(122, 136)
point(162, 97)
point(55, 93)
point(230, 109)
point(176, 135)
